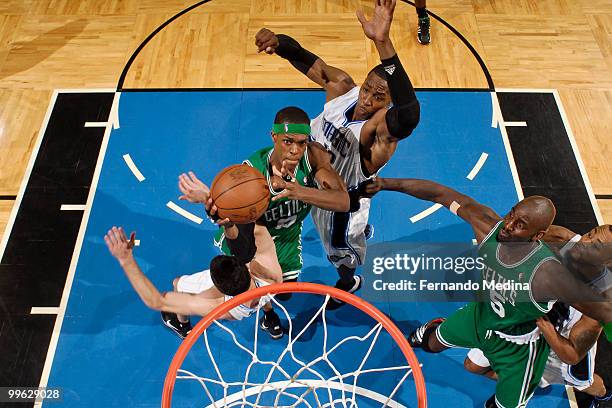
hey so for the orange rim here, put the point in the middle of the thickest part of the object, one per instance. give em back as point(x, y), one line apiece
point(295, 287)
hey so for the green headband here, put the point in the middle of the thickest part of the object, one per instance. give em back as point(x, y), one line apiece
point(282, 128)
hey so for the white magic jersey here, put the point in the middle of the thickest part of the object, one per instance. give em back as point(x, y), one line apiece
point(335, 130)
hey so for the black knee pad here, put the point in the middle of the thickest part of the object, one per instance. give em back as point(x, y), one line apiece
point(428, 332)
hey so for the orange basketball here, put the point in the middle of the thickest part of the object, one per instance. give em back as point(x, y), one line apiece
point(240, 193)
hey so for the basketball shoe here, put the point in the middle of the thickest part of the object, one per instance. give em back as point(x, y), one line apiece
point(333, 303)
point(271, 323)
point(172, 322)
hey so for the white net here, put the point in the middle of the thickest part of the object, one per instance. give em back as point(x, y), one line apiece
point(290, 380)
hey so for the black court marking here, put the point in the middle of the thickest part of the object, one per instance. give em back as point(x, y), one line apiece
point(603, 196)
point(35, 262)
point(128, 65)
point(551, 170)
point(8, 197)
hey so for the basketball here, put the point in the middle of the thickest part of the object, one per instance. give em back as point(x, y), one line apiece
point(240, 193)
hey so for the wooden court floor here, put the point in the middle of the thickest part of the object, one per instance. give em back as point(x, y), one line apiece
point(67, 44)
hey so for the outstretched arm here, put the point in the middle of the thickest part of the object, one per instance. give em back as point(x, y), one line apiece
point(582, 337)
point(182, 303)
point(480, 217)
point(335, 81)
point(331, 195)
point(380, 133)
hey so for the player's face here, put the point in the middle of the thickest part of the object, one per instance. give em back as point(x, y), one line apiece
point(373, 95)
point(291, 146)
point(518, 226)
point(594, 248)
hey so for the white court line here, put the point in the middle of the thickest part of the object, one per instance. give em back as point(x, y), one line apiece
point(136, 242)
point(585, 178)
point(425, 213)
point(96, 124)
point(515, 124)
point(474, 241)
point(26, 176)
point(86, 90)
point(72, 207)
point(481, 161)
point(114, 114)
point(525, 90)
point(57, 328)
point(511, 163)
point(45, 310)
point(130, 163)
point(184, 213)
point(571, 396)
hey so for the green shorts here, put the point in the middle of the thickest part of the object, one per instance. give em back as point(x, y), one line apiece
point(288, 251)
point(519, 361)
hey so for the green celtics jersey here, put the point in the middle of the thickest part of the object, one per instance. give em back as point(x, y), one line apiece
point(283, 218)
point(509, 305)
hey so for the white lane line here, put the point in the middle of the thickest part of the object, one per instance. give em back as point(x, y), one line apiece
point(583, 172)
point(72, 207)
point(96, 124)
point(184, 213)
point(474, 242)
point(75, 259)
point(45, 310)
point(114, 114)
point(136, 242)
point(130, 163)
point(511, 163)
point(425, 213)
point(495, 112)
point(515, 124)
point(481, 161)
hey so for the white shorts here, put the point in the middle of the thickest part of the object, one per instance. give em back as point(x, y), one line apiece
point(342, 234)
point(201, 281)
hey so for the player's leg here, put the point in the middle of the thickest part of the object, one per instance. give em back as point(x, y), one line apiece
point(458, 330)
point(476, 362)
point(196, 283)
point(423, 34)
point(519, 368)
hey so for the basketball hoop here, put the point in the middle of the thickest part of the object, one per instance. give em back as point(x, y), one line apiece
point(337, 389)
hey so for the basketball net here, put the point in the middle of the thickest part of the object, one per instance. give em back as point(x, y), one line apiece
point(308, 386)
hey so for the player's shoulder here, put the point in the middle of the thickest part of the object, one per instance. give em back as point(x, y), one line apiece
point(346, 98)
point(316, 154)
point(259, 157)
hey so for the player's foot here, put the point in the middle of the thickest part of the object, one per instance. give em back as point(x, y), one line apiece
point(354, 286)
point(423, 31)
point(172, 322)
point(415, 339)
point(368, 232)
point(597, 401)
point(270, 322)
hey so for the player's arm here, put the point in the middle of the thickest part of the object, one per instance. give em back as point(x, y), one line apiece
point(582, 337)
point(557, 233)
point(182, 303)
point(387, 127)
point(331, 194)
point(335, 81)
point(480, 217)
point(265, 264)
point(552, 281)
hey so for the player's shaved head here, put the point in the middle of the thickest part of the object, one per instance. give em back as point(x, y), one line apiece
point(291, 114)
point(378, 70)
point(541, 211)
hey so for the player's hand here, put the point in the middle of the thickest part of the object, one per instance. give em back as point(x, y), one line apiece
point(290, 189)
point(377, 29)
point(194, 190)
point(545, 325)
point(371, 187)
point(288, 168)
point(119, 245)
point(212, 210)
point(266, 40)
